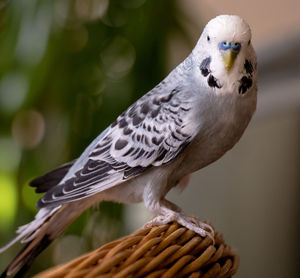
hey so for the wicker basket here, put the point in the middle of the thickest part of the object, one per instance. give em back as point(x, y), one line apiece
point(161, 251)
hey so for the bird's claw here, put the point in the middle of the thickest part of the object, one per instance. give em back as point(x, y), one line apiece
point(191, 223)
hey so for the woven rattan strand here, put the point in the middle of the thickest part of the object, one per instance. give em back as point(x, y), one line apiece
point(161, 251)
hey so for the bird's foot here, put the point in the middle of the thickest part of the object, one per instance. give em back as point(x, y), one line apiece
point(191, 223)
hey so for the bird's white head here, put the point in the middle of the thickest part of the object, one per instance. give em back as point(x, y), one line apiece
point(226, 37)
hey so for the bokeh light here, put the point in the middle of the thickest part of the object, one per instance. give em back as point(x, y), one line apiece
point(34, 32)
point(28, 128)
point(91, 9)
point(118, 57)
point(13, 89)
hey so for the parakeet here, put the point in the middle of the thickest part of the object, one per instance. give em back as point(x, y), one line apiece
point(189, 120)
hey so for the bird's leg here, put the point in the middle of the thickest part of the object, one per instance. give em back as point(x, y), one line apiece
point(167, 212)
point(166, 203)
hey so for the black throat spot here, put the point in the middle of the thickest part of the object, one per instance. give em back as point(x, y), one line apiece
point(248, 67)
point(213, 82)
point(246, 83)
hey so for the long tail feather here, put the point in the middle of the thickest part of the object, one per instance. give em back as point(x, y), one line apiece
point(48, 224)
point(35, 235)
point(27, 232)
point(24, 259)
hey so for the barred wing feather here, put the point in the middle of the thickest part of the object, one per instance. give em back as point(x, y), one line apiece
point(150, 133)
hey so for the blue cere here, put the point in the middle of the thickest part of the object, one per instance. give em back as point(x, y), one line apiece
point(224, 45)
point(235, 46)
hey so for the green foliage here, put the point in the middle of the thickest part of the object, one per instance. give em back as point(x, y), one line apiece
point(68, 69)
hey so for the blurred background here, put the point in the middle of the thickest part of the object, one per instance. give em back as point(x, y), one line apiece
point(69, 68)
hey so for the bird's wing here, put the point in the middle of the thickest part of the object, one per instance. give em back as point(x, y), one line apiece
point(152, 132)
point(51, 179)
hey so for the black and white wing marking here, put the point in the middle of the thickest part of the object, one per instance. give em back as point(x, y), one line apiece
point(51, 179)
point(152, 132)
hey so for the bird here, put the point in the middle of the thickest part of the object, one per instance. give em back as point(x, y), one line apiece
point(189, 120)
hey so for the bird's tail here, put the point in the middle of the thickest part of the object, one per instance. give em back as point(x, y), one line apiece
point(48, 224)
point(21, 263)
point(34, 234)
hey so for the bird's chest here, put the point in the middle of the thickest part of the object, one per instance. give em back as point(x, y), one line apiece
point(220, 127)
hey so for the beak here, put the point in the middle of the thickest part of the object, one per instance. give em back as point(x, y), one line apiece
point(228, 56)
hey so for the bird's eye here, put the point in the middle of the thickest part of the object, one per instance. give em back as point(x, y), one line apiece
point(208, 38)
point(249, 42)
